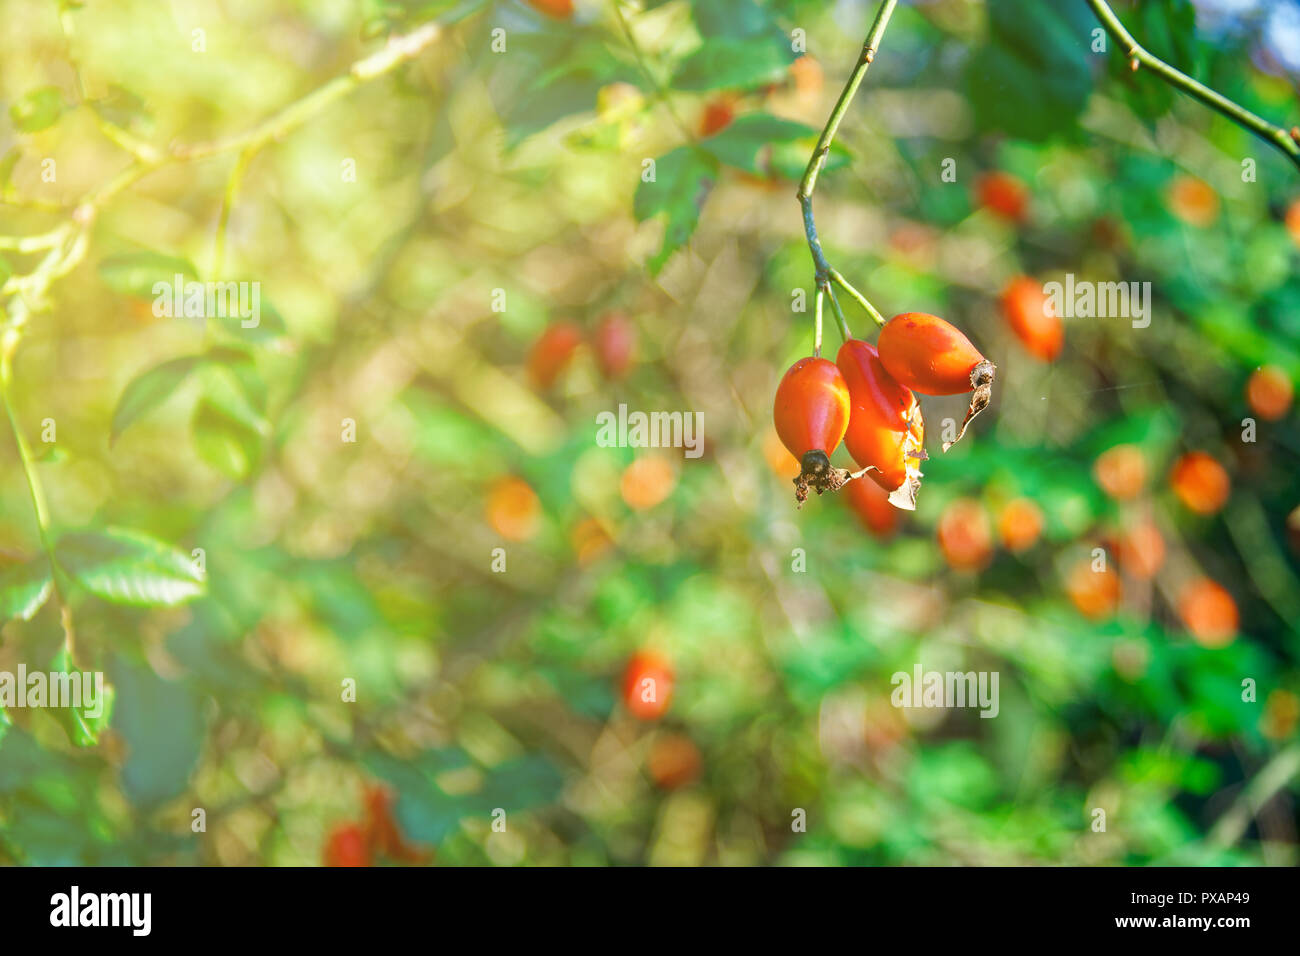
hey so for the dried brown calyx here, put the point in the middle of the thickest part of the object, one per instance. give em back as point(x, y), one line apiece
point(818, 474)
point(981, 380)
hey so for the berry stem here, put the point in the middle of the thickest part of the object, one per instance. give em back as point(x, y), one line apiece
point(839, 312)
point(858, 297)
point(817, 322)
point(823, 273)
point(1139, 56)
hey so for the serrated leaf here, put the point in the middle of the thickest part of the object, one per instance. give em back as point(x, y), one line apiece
point(135, 273)
point(227, 445)
point(149, 390)
point(40, 109)
point(129, 567)
point(682, 182)
point(733, 63)
point(24, 589)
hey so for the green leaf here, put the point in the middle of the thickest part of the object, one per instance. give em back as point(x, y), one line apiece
point(149, 390)
point(7, 164)
point(746, 143)
point(270, 327)
point(135, 273)
point(227, 444)
point(40, 109)
point(129, 567)
point(733, 63)
point(732, 18)
point(82, 727)
point(682, 182)
point(25, 589)
point(6, 270)
point(231, 387)
point(1032, 78)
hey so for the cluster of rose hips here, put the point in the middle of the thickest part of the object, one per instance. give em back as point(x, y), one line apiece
point(866, 399)
point(613, 342)
point(376, 837)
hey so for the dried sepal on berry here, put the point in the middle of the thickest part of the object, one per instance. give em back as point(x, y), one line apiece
point(981, 380)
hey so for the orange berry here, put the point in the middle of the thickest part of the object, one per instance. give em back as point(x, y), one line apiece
point(1028, 310)
point(559, 9)
point(646, 482)
point(513, 509)
point(870, 503)
point(807, 74)
point(1193, 201)
point(1020, 524)
point(1209, 612)
point(1200, 482)
point(648, 685)
point(1293, 221)
point(886, 432)
point(1269, 392)
point(1003, 195)
point(552, 353)
point(346, 845)
point(1094, 593)
point(717, 116)
point(674, 761)
point(1140, 549)
point(928, 355)
point(1121, 471)
point(964, 535)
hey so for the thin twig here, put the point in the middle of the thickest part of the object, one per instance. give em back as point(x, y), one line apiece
point(823, 273)
point(1288, 141)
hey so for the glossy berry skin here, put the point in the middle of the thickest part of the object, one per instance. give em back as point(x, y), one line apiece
point(1028, 311)
point(927, 354)
point(885, 429)
point(811, 411)
point(347, 846)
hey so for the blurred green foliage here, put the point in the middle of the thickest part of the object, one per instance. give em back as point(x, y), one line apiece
point(221, 550)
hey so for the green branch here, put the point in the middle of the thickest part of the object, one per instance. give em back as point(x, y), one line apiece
point(824, 275)
point(1287, 141)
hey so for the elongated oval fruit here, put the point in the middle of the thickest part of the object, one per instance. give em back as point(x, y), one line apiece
point(811, 413)
point(1028, 311)
point(886, 432)
point(931, 356)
